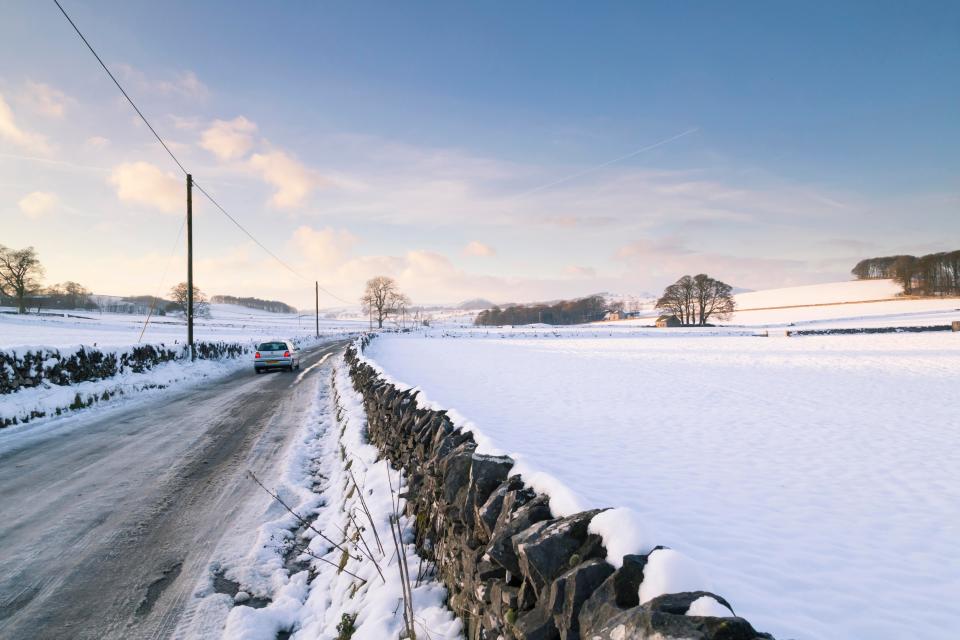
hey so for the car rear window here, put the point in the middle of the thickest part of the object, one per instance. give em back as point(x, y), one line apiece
point(272, 346)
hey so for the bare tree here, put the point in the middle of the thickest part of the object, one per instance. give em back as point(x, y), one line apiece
point(398, 304)
point(20, 273)
point(382, 297)
point(178, 295)
point(714, 298)
point(694, 300)
point(678, 300)
point(76, 295)
point(69, 295)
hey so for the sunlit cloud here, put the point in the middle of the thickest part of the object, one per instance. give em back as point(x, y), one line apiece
point(292, 181)
point(478, 249)
point(144, 183)
point(97, 142)
point(16, 135)
point(182, 84)
point(42, 99)
point(323, 247)
point(578, 271)
point(38, 203)
point(229, 139)
point(666, 259)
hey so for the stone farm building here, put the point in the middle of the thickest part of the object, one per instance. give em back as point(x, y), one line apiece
point(669, 321)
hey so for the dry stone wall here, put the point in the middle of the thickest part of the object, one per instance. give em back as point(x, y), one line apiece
point(513, 569)
point(25, 368)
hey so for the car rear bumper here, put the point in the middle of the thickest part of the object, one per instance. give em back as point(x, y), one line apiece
point(273, 363)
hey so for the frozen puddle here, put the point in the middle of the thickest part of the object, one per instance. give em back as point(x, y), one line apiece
point(815, 481)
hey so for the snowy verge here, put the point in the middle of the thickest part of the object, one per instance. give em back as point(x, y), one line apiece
point(334, 564)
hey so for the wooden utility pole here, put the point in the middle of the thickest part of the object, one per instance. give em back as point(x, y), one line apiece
point(193, 353)
point(316, 298)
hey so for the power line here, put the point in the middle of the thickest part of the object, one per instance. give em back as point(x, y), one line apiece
point(260, 244)
point(180, 164)
point(116, 82)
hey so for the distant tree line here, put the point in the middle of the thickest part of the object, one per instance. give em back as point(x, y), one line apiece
point(139, 305)
point(694, 300)
point(930, 275)
point(21, 287)
point(274, 306)
point(68, 295)
point(576, 311)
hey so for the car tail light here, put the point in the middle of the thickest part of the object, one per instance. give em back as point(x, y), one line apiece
point(286, 354)
point(256, 355)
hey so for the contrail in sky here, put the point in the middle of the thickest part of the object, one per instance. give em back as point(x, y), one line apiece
point(59, 163)
point(607, 163)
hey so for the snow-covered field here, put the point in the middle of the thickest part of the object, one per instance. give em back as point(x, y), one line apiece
point(814, 481)
point(829, 293)
point(857, 303)
point(227, 322)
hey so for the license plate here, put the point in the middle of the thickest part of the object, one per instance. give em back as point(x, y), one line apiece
point(272, 361)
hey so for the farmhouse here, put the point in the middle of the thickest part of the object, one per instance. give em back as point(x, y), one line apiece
point(669, 321)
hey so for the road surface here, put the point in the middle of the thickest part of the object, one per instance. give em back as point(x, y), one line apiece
point(107, 526)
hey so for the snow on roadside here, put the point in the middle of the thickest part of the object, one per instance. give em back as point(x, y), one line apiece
point(332, 478)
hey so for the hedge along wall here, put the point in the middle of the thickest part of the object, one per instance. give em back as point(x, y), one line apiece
point(514, 570)
point(22, 369)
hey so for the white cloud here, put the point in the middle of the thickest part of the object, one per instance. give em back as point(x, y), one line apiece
point(11, 132)
point(144, 183)
point(188, 84)
point(441, 186)
point(187, 123)
point(665, 260)
point(323, 247)
point(182, 84)
point(229, 139)
point(97, 142)
point(476, 248)
point(580, 272)
point(292, 180)
point(38, 203)
point(44, 100)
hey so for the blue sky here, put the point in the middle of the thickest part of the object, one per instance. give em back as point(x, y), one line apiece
point(412, 138)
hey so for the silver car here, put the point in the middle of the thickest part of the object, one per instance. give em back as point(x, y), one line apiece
point(279, 354)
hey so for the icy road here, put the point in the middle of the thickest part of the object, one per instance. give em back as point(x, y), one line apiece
point(108, 520)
